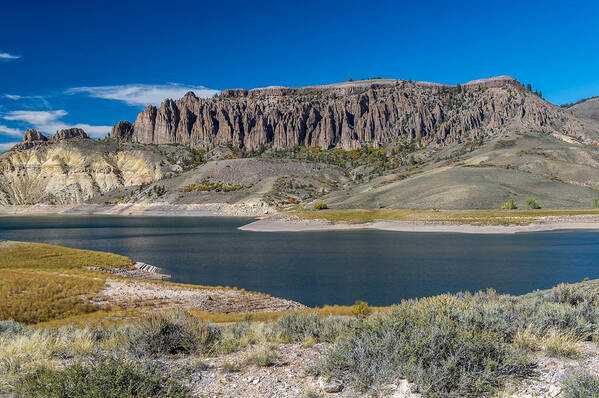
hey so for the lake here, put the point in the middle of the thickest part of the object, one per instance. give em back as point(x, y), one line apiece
point(329, 267)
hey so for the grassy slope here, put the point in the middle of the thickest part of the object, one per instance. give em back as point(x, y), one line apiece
point(50, 285)
point(493, 217)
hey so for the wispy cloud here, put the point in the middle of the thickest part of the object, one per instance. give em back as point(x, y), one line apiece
point(12, 97)
point(143, 94)
point(4, 146)
point(5, 130)
point(49, 122)
point(8, 57)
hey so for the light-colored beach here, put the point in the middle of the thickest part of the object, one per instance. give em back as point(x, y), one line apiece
point(280, 225)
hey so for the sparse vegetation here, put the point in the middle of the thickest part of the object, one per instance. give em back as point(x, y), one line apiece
point(579, 383)
point(532, 203)
point(560, 344)
point(172, 333)
point(320, 206)
point(509, 205)
point(159, 190)
point(217, 186)
point(485, 217)
point(102, 378)
point(265, 356)
point(360, 309)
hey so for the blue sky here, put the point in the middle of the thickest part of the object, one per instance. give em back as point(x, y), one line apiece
point(93, 63)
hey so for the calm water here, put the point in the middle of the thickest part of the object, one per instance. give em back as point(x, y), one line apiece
point(317, 268)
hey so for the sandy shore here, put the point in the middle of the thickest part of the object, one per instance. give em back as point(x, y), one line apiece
point(278, 225)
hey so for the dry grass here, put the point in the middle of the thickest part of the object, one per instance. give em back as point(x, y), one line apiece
point(44, 283)
point(497, 217)
point(55, 258)
point(23, 353)
point(32, 297)
point(560, 343)
point(526, 338)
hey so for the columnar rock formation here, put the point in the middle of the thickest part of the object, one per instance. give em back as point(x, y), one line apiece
point(350, 115)
point(33, 137)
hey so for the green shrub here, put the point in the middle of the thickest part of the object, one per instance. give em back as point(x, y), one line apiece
point(579, 383)
point(173, 333)
point(320, 206)
point(110, 378)
point(595, 202)
point(297, 326)
point(532, 203)
point(11, 326)
point(360, 309)
point(424, 342)
point(263, 357)
point(509, 205)
point(231, 367)
point(301, 326)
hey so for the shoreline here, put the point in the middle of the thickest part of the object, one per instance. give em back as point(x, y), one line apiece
point(266, 223)
point(137, 209)
point(278, 225)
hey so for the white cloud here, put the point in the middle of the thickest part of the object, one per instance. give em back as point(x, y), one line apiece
point(8, 57)
point(49, 122)
point(12, 97)
point(4, 130)
point(143, 94)
point(4, 146)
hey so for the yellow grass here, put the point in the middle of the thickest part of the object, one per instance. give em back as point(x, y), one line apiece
point(32, 297)
point(460, 216)
point(55, 258)
point(51, 286)
point(42, 283)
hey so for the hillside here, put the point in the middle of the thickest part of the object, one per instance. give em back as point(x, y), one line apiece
point(370, 144)
point(588, 108)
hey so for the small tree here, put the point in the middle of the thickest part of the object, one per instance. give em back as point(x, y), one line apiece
point(320, 206)
point(532, 203)
point(509, 205)
point(529, 87)
point(360, 309)
point(595, 202)
point(459, 88)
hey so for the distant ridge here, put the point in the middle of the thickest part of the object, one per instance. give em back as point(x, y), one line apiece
point(588, 107)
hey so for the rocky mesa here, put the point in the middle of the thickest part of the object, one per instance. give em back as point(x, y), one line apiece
point(350, 115)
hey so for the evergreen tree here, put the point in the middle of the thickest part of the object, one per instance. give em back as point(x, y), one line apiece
point(529, 87)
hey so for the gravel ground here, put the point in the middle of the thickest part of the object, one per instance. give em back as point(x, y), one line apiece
point(206, 299)
point(288, 376)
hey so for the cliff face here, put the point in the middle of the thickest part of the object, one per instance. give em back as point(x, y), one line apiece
point(68, 168)
point(352, 115)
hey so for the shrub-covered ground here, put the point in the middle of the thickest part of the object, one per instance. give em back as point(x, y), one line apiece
point(463, 345)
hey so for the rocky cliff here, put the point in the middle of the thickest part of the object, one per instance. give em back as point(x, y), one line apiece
point(352, 115)
point(71, 168)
